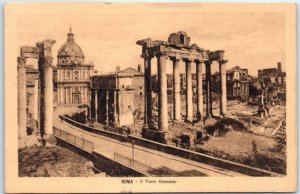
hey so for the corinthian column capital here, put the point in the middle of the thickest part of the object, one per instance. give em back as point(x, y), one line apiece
point(48, 60)
point(45, 47)
point(221, 62)
point(176, 58)
point(21, 62)
point(161, 54)
point(147, 56)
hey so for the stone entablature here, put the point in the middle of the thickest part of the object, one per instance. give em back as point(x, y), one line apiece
point(178, 49)
point(112, 82)
point(40, 90)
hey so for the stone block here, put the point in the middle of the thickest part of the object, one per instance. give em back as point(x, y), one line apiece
point(158, 136)
point(179, 39)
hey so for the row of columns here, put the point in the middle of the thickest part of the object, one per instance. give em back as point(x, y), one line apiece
point(46, 88)
point(95, 107)
point(162, 90)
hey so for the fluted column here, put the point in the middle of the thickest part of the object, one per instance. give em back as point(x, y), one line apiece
point(208, 89)
point(176, 89)
point(162, 94)
point(21, 97)
point(36, 99)
point(199, 90)
point(189, 91)
point(147, 92)
point(45, 66)
point(222, 70)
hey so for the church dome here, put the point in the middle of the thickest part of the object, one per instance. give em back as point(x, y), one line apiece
point(70, 52)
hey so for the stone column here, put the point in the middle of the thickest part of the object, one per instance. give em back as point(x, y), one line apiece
point(208, 89)
point(106, 106)
point(93, 104)
point(48, 96)
point(147, 93)
point(162, 93)
point(115, 109)
point(223, 102)
point(97, 105)
point(176, 89)
point(189, 90)
point(199, 90)
point(45, 67)
point(22, 97)
point(36, 99)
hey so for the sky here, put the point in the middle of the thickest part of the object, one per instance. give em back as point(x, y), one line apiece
point(108, 33)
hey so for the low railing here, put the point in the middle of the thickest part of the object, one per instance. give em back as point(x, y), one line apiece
point(192, 155)
point(74, 140)
point(132, 163)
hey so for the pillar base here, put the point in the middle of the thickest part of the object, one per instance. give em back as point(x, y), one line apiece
point(222, 115)
point(158, 136)
point(177, 121)
point(189, 120)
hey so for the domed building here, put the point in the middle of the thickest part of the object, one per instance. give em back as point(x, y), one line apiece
point(73, 75)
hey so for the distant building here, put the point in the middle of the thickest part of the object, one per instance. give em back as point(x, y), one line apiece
point(138, 84)
point(33, 91)
point(272, 76)
point(115, 96)
point(73, 74)
point(238, 82)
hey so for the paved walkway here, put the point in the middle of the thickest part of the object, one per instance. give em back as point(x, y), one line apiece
point(160, 162)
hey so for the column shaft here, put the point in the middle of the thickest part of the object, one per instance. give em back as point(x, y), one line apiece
point(176, 90)
point(115, 109)
point(222, 70)
point(22, 97)
point(146, 69)
point(107, 109)
point(97, 105)
point(46, 80)
point(162, 94)
point(147, 93)
point(208, 89)
point(36, 99)
point(199, 90)
point(93, 105)
point(48, 99)
point(189, 92)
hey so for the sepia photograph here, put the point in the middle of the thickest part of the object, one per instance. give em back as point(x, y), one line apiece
point(150, 97)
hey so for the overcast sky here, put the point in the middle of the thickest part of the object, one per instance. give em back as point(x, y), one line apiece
point(108, 33)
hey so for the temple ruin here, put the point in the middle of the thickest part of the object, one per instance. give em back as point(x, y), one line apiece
point(176, 49)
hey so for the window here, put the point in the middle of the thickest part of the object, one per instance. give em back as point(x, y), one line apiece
point(64, 75)
point(140, 87)
point(141, 93)
point(76, 75)
point(68, 74)
point(28, 99)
